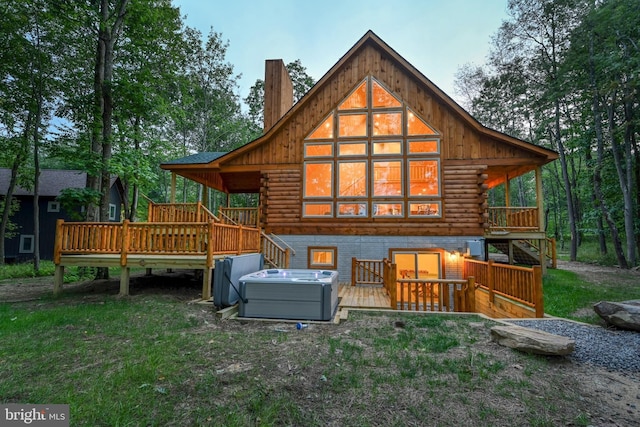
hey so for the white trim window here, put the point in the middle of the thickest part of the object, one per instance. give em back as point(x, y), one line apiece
point(27, 242)
point(53, 206)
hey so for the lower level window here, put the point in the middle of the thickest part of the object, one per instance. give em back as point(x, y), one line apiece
point(322, 256)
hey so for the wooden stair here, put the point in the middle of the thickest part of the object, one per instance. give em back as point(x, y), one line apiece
point(523, 253)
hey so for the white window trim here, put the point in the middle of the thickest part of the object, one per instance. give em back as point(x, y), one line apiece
point(113, 212)
point(53, 206)
point(24, 238)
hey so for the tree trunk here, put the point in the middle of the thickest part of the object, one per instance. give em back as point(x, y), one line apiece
point(8, 201)
point(102, 132)
point(617, 244)
point(573, 228)
point(36, 184)
point(629, 143)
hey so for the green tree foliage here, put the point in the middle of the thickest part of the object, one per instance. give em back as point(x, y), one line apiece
point(564, 73)
point(32, 36)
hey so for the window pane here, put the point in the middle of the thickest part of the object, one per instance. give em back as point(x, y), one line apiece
point(416, 126)
point(387, 124)
point(318, 209)
point(324, 131)
point(382, 98)
point(423, 178)
point(318, 179)
point(387, 147)
point(387, 209)
point(387, 178)
point(357, 99)
point(424, 209)
point(352, 209)
point(352, 179)
point(423, 146)
point(319, 257)
point(322, 257)
point(358, 149)
point(318, 150)
point(352, 125)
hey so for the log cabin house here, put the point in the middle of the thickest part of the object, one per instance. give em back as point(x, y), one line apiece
point(376, 162)
point(375, 173)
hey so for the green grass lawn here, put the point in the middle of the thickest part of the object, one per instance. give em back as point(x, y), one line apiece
point(154, 360)
point(567, 295)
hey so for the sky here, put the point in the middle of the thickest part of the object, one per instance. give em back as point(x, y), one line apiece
point(435, 36)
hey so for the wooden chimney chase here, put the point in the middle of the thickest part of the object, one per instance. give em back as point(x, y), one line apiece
point(278, 92)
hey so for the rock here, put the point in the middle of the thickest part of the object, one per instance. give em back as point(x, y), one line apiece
point(532, 341)
point(623, 315)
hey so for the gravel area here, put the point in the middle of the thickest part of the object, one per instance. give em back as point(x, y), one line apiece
point(612, 349)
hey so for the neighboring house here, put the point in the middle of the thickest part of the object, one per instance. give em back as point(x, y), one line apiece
point(375, 162)
point(20, 247)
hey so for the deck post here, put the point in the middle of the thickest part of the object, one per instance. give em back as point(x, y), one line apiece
point(354, 265)
point(470, 303)
point(207, 273)
point(542, 245)
point(537, 291)
point(124, 269)
point(57, 248)
point(287, 257)
point(490, 279)
point(172, 196)
point(125, 243)
point(58, 279)
point(124, 281)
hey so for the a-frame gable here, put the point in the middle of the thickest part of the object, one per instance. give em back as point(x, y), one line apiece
point(323, 97)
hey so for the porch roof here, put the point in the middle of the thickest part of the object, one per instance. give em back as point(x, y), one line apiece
point(203, 169)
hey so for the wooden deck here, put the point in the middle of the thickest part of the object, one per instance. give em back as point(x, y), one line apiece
point(363, 296)
point(189, 262)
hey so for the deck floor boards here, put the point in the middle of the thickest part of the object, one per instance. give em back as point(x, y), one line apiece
point(363, 297)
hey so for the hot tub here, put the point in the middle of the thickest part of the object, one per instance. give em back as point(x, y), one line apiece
point(289, 294)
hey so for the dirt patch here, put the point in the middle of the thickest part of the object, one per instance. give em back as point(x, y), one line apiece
point(599, 274)
point(609, 398)
point(180, 284)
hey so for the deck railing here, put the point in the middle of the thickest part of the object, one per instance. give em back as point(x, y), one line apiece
point(441, 295)
point(196, 238)
point(240, 216)
point(180, 212)
point(514, 219)
point(367, 272)
point(274, 254)
point(520, 284)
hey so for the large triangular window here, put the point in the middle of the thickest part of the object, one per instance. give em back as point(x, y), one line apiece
point(372, 157)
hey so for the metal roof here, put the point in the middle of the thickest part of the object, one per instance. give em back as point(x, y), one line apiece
point(198, 158)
